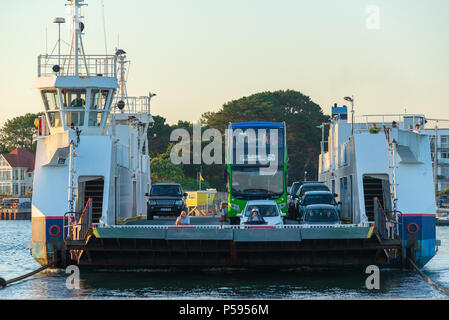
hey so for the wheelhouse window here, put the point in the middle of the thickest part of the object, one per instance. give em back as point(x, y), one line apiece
point(54, 118)
point(98, 106)
point(99, 99)
point(74, 99)
point(74, 104)
point(51, 100)
point(74, 119)
point(52, 106)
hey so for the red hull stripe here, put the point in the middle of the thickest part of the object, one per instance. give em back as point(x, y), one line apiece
point(181, 227)
point(50, 218)
point(261, 227)
point(417, 214)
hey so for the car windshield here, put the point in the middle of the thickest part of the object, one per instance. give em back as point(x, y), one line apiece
point(295, 188)
point(265, 211)
point(319, 199)
point(305, 189)
point(165, 190)
point(321, 215)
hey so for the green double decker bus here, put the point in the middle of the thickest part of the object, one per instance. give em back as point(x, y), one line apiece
point(256, 155)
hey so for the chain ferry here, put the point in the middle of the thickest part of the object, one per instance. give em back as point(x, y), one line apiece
point(92, 179)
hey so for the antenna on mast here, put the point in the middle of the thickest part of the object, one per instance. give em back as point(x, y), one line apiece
point(104, 28)
point(77, 46)
point(59, 21)
point(121, 59)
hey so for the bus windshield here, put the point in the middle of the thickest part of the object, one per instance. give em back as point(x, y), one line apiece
point(254, 145)
point(249, 181)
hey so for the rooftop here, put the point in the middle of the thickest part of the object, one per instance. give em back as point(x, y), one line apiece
point(20, 158)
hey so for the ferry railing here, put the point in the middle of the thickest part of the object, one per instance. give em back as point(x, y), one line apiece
point(386, 120)
point(78, 224)
point(88, 65)
point(133, 105)
point(384, 226)
point(233, 227)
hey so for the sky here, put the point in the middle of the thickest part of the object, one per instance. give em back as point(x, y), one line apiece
point(392, 55)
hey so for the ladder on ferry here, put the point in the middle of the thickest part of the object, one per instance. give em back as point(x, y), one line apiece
point(94, 190)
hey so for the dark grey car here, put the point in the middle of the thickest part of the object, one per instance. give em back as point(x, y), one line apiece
point(320, 214)
point(165, 199)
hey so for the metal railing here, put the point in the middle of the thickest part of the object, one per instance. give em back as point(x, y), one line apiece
point(88, 65)
point(365, 121)
point(385, 226)
point(222, 226)
point(78, 224)
point(133, 105)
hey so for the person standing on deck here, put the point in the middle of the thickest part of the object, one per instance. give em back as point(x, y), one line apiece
point(374, 129)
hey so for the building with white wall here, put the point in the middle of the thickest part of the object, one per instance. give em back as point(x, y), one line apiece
point(16, 172)
point(442, 156)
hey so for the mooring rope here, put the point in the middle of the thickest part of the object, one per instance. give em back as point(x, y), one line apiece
point(427, 279)
point(4, 283)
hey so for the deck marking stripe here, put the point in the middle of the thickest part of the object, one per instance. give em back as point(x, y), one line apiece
point(371, 229)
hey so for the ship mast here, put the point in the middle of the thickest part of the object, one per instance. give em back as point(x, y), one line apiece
point(76, 46)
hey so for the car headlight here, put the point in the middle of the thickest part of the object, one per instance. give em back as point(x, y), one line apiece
point(152, 202)
point(179, 202)
point(235, 207)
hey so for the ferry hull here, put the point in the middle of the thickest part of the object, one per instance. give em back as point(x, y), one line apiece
point(139, 246)
point(418, 234)
point(47, 240)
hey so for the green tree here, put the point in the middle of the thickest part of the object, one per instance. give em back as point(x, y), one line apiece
point(300, 113)
point(162, 168)
point(158, 136)
point(19, 132)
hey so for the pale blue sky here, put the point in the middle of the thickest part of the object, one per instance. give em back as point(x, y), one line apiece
point(198, 54)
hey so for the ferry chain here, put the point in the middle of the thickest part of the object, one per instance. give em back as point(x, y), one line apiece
point(4, 283)
point(426, 278)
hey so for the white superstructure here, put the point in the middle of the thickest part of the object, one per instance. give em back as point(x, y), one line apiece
point(393, 165)
point(92, 140)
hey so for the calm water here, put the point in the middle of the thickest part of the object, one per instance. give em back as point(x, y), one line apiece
point(15, 260)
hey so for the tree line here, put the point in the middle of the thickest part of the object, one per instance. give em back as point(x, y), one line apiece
point(300, 113)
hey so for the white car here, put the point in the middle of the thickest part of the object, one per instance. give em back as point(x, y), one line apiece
point(268, 210)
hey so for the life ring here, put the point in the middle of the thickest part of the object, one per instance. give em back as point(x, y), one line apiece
point(52, 233)
point(412, 228)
